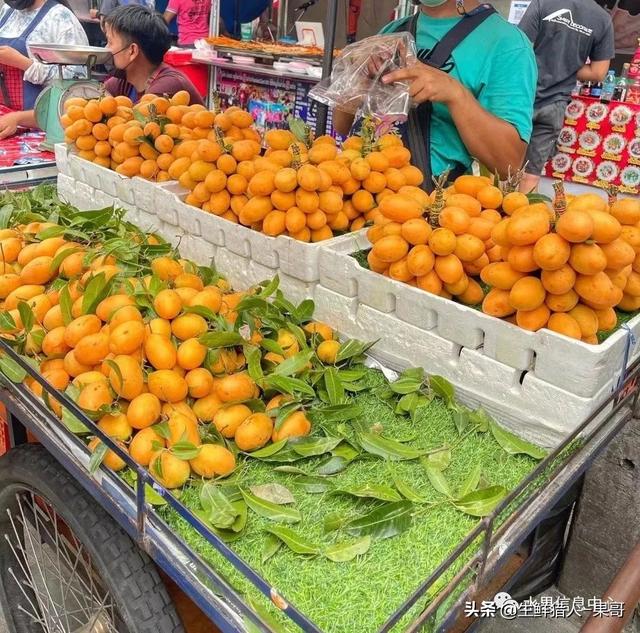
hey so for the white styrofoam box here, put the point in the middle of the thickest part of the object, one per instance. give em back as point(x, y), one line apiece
point(65, 185)
point(574, 366)
point(62, 158)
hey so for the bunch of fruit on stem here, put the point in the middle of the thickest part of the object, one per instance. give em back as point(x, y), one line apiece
point(156, 358)
point(564, 268)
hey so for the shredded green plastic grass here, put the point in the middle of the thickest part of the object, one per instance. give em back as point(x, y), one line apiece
point(360, 595)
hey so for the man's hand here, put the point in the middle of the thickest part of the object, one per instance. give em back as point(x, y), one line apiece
point(11, 57)
point(8, 124)
point(427, 83)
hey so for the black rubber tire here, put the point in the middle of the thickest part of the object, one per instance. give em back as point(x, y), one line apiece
point(126, 571)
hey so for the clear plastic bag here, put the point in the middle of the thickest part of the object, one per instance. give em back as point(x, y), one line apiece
point(355, 85)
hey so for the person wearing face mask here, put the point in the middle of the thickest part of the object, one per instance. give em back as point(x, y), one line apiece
point(473, 88)
point(138, 39)
point(22, 78)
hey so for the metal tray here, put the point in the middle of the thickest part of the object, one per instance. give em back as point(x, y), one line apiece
point(69, 54)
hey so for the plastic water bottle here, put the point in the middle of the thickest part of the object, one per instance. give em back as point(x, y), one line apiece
point(620, 92)
point(576, 89)
point(608, 87)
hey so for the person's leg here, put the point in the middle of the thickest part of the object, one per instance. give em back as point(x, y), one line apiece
point(547, 123)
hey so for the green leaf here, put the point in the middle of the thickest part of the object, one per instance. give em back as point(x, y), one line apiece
point(216, 340)
point(51, 231)
point(271, 546)
point(270, 288)
point(283, 412)
point(70, 420)
point(344, 552)
point(370, 491)
point(480, 503)
point(290, 470)
point(26, 315)
point(7, 322)
point(406, 385)
point(471, 482)
point(65, 305)
point(217, 506)
point(12, 370)
point(94, 293)
point(385, 521)
point(443, 389)
point(387, 449)
point(60, 257)
point(438, 480)
point(152, 497)
point(461, 418)
point(275, 493)
point(97, 456)
point(408, 403)
point(352, 349)
point(185, 450)
point(407, 491)
point(334, 386)
point(271, 346)
point(480, 419)
point(313, 485)
point(336, 413)
point(438, 460)
point(304, 311)
point(268, 451)
point(254, 357)
point(228, 536)
point(333, 466)
point(291, 386)
point(333, 521)
point(294, 541)
point(205, 313)
point(314, 446)
point(514, 445)
point(271, 511)
point(352, 375)
point(162, 429)
point(293, 365)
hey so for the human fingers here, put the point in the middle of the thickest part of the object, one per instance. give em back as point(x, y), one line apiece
point(402, 74)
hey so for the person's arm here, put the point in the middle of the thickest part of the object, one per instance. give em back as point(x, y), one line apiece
point(594, 71)
point(496, 143)
point(168, 16)
point(10, 122)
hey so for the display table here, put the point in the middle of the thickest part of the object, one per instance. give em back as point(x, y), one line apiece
point(23, 160)
point(599, 145)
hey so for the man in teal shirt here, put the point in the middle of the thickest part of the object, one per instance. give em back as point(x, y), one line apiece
point(482, 96)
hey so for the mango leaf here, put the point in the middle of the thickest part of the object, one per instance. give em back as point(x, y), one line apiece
point(275, 493)
point(344, 552)
point(7, 322)
point(205, 313)
point(480, 419)
point(271, 546)
point(407, 491)
point(60, 257)
point(461, 418)
point(26, 315)
point(438, 481)
point(514, 445)
point(70, 420)
point(96, 290)
point(269, 450)
point(442, 388)
point(241, 520)
point(185, 450)
point(217, 506)
point(12, 370)
point(332, 466)
point(294, 541)
point(254, 358)
point(335, 413)
point(313, 485)
point(387, 449)
point(284, 411)
point(314, 446)
point(271, 346)
point(480, 503)
point(293, 365)
point(269, 288)
point(162, 429)
point(228, 536)
point(333, 384)
point(471, 482)
point(352, 349)
point(406, 384)
point(346, 450)
point(385, 521)
point(304, 311)
point(290, 470)
point(408, 403)
point(283, 384)
point(352, 375)
point(271, 511)
point(216, 340)
point(369, 491)
point(97, 456)
point(438, 460)
point(333, 521)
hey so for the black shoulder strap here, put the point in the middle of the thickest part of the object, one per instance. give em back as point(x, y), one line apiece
point(441, 52)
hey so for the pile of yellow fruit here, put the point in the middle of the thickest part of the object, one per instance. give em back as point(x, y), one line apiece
point(566, 270)
point(129, 351)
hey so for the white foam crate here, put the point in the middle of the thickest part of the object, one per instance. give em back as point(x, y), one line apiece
point(530, 407)
point(571, 365)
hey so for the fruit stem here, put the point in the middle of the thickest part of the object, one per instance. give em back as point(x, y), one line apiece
point(368, 135)
point(438, 204)
point(513, 181)
point(612, 192)
point(296, 163)
point(560, 200)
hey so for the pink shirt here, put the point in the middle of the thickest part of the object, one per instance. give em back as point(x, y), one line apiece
point(193, 19)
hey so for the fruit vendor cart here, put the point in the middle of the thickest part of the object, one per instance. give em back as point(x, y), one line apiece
point(73, 523)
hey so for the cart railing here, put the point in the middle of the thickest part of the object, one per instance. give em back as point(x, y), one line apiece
point(496, 536)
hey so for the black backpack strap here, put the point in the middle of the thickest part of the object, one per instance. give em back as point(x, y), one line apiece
point(418, 132)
